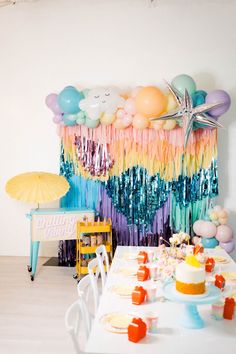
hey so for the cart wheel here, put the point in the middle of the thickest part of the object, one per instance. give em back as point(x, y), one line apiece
point(32, 277)
point(75, 276)
point(29, 268)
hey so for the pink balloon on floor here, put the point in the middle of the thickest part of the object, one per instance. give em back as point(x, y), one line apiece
point(197, 227)
point(224, 233)
point(228, 246)
point(208, 229)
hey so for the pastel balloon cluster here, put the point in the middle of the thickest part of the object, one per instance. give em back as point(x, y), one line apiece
point(106, 105)
point(216, 231)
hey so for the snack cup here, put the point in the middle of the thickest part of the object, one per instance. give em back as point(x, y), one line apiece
point(151, 293)
point(153, 269)
point(151, 255)
point(217, 310)
point(151, 320)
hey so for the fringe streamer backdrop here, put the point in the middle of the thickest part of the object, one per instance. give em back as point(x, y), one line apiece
point(143, 179)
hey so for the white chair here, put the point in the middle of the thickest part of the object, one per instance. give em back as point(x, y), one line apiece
point(94, 271)
point(103, 260)
point(73, 320)
point(83, 288)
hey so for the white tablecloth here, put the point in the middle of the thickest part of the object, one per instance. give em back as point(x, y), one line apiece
point(217, 337)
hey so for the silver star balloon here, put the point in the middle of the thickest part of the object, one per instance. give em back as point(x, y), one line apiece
point(185, 115)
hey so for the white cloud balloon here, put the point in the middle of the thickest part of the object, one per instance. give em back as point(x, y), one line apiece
point(101, 100)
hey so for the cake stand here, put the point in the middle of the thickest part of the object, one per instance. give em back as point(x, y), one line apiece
point(190, 317)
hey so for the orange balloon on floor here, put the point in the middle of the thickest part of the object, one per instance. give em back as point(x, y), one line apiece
point(150, 101)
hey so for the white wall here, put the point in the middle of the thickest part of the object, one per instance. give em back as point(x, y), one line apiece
point(50, 44)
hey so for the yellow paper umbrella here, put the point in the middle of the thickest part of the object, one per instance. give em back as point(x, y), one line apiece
point(37, 187)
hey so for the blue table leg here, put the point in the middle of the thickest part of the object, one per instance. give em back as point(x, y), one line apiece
point(31, 256)
point(34, 257)
point(190, 317)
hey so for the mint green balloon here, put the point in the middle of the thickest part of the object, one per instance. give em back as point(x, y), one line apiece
point(80, 117)
point(90, 123)
point(184, 82)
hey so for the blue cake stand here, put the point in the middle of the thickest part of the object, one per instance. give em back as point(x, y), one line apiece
point(190, 317)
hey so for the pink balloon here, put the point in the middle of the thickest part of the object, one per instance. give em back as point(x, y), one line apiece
point(120, 114)
point(228, 246)
point(51, 102)
point(208, 229)
point(135, 91)
point(127, 120)
point(217, 208)
point(197, 227)
point(129, 106)
point(224, 233)
point(57, 118)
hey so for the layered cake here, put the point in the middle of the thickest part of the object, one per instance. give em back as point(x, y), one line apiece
point(190, 277)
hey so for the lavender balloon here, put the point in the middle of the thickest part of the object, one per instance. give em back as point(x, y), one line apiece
point(228, 246)
point(57, 118)
point(218, 96)
point(51, 102)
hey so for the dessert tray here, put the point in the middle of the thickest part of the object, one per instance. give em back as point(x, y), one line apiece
point(190, 317)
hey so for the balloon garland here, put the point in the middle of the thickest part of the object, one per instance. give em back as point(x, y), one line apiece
point(150, 154)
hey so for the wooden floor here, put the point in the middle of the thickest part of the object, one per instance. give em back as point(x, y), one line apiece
point(32, 313)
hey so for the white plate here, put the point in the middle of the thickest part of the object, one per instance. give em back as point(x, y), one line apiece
point(122, 290)
point(116, 322)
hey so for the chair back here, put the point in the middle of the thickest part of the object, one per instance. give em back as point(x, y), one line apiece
point(103, 260)
point(83, 288)
point(72, 322)
point(94, 271)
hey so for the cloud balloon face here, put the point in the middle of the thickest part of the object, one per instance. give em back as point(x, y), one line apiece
point(101, 100)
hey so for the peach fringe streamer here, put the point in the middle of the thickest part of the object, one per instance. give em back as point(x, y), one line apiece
point(159, 151)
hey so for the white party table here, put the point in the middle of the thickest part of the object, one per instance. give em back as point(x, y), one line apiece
point(217, 337)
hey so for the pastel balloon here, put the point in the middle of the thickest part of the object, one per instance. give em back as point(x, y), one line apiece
point(91, 123)
point(120, 113)
point(129, 106)
point(218, 96)
point(208, 229)
point(52, 103)
point(107, 119)
point(140, 121)
point(69, 100)
point(223, 214)
point(198, 97)
point(217, 208)
point(209, 242)
point(135, 91)
point(228, 246)
point(69, 119)
point(170, 124)
point(223, 221)
point(80, 118)
point(127, 120)
point(197, 226)
point(157, 124)
point(171, 102)
point(184, 82)
point(224, 233)
point(57, 118)
point(213, 215)
point(150, 101)
point(118, 124)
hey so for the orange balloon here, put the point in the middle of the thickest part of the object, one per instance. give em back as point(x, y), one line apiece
point(150, 101)
point(140, 122)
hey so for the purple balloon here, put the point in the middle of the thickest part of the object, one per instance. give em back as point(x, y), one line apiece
point(51, 102)
point(228, 246)
point(218, 96)
point(57, 118)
